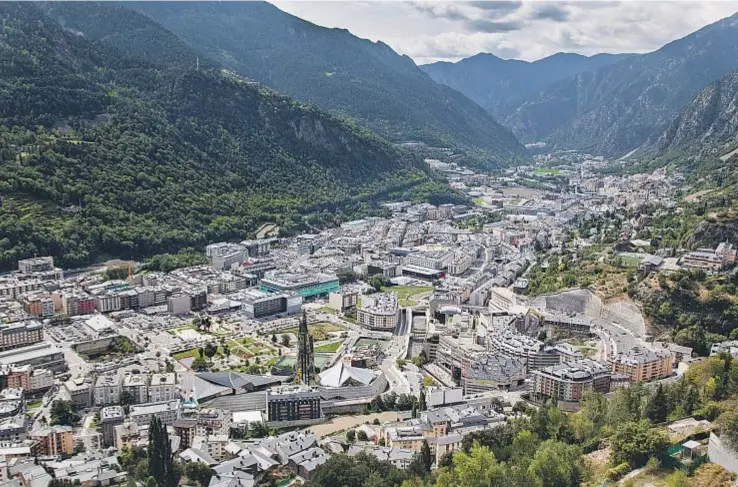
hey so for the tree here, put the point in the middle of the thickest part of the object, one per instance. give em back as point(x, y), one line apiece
point(274, 338)
point(199, 364)
point(657, 408)
point(64, 413)
point(635, 442)
point(361, 436)
point(523, 448)
point(210, 350)
point(415, 410)
point(421, 401)
point(582, 426)
point(556, 464)
point(351, 436)
point(126, 398)
point(478, 468)
point(285, 340)
point(425, 455)
point(199, 472)
point(226, 350)
point(161, 463)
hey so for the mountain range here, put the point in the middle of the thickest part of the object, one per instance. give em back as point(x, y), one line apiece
point(337, 71)
point(112, 143)
point(500, 85)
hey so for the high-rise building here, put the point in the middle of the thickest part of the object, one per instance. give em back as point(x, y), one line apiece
point(305, 356)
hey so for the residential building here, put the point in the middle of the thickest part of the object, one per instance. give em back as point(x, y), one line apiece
point(80, 391)
point(259, 304)
point(213, 422)
point(110, 417)
point(225, 255)
point(126, 435)
point(185, 428)
point(534, 353)
point(20, 334)
point(167, 412)
point(642, 364)
point(489, 372)
point(39, 304)
point(291, 404)
point(566, 383)
point(378, 311)
point(437, 260)
point(36, 265)
point(179, 304)
point(54, 440)
point(163, 387)
point(107, 390)
point(343, 300)
point(137, 387)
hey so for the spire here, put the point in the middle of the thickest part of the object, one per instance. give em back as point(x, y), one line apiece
point(304, 323)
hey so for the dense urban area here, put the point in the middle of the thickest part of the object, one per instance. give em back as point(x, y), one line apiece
point(242, 250)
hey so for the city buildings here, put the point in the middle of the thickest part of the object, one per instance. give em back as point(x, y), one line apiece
point(566, 383)
point(721, 258)
point(260, 304)
point(343, 301)
point(489, 372)
point(292, 404)
point(54, 440)
point(20, 334)
point(110, 417)
point(225, 255)
point(641, 364)
point(378, 311)
point(45, 355)
point(107, 391)
point(162, 387)
point(307, 285)
point(167, 412)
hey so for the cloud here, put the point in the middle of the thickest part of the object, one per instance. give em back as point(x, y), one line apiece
point(492, 26)
point(439, 10)
point(496, 6)
point(551, 11)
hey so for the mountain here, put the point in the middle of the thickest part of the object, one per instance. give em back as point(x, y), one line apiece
point(619, 107)
point(709, 122)
point(111, 151)
point(499, 85)
point(337, 71)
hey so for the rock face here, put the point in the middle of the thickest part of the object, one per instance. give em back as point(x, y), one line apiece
point(619, 107)
point(336, 71)
point(709, 122)
point(500, 85)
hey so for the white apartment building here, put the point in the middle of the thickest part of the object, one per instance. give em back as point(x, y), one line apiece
point(107, 390)
point(162, 387)
point(378, 311)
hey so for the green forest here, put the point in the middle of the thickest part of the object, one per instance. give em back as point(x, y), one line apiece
point(105, 152)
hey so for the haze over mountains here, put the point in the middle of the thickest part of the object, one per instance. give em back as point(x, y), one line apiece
point(500, 85)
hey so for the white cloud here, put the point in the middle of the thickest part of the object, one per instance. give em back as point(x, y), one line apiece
point(430, 31)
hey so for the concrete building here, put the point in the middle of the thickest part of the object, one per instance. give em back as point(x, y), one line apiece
point(42, 354)
point(36, 265)
point(489, 372)
point(29, 379)
point(378, 311)
point(721, 258)
point(39, 304)
point(438, 260)
point(642, 364)
point(163, 387)
point(137, 387)
point(110, 417)
point(290, 404)
point(213, 422)
point(306, 284)
point(20, 334)
point(225, 255)
point(80, 392)
point(167, 412)
point(179, 304)
point(534, 353)
point(107, 390)
point(343, 301)
point(566, 383)
point(126, 435)
point(260, 304)
point(185, 428)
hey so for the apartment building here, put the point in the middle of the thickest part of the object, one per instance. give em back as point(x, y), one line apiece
point(642, 364)
point(73, 303)
point(213, 422)
point(566, 383)
point(80, 391)
point(126, 435)
point(437, 259)
point(137, 387)
point(225, 255)
point(378, 311)
point(489, 372)
point(39, 355)
point(167, 412)
point(163, 387)
point(29, 379)
point(185, 428)
point(293, 405)
point(259, 304)
point(107, 390)
point(534, 353)
point(343, 300)
point(110, 417)
point(54, 440)
point(38, 304)
point(20, 334)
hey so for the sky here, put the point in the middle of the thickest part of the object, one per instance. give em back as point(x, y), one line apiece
point(430, 31)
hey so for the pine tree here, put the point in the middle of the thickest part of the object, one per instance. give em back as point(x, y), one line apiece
point(415, 410)
point(657, 408)
point(425, 454)
point(156, 467)
point(422, 406)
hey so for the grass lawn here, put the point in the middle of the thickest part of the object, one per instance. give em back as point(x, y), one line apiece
point(328, 347)
point(320, 331)
point(404, 292)
point(35, 404)
point(406, 302)
point(547, 171)
point(326, 309)
point(628, 261)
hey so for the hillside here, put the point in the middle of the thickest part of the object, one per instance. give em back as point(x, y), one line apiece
point(709, 123)
point(104, 152)
point(499, 85)
point(619, 107)
point(336, 71)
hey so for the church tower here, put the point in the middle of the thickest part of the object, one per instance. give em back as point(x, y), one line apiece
point(305, 368)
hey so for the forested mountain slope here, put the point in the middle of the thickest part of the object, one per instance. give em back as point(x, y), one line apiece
point(336, 71)
point(499, 85)
point(619, 107)
point(161, 156)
